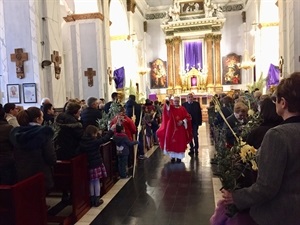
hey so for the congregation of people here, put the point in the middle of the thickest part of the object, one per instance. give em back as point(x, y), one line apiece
point(271, 194)
point(33, 139)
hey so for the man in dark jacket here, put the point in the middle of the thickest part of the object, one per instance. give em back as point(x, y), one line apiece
point(114, 97)
point(92, 113)
point(133, 109)
point(194, 109)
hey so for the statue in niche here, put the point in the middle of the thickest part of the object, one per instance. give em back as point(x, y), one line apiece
point(174, 11)
point(213, 10)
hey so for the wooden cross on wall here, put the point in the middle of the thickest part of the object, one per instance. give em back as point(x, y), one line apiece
point(90, 73)
point(19, 57)
point(56, 59)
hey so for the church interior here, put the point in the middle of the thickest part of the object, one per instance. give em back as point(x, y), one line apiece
point(153, 49)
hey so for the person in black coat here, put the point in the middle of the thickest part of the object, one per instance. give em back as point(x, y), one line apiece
point(270, 119)
point(133, 109)
point(114, 97)
point(236, 121)
point(70, 132)
point(90, 144)
point(7, 162)
point(92, 113)
point(194, 109)
point(33, 147)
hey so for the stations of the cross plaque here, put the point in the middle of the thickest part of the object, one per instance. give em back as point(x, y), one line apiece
point(56, 59)
point(90, 73)
point(19, 57)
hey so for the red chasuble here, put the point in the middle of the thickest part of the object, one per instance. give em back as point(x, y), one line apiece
point(174, 138)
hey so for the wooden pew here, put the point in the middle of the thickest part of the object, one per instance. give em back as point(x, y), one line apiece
point(72, 176)
point(108, 152)
point(24, 203)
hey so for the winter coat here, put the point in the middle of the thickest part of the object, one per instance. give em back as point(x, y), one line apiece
point(90, 145)
point(69, 136)
point(123, 143)
point(33, 151)
point(6, 148)
point(89, 116)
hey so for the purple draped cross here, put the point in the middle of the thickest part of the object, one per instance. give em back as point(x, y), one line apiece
point(273, 76)
point(119, 76)
point(193, 55)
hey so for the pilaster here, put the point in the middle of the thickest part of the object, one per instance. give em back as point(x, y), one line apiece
point(170, 59)
point(209, 54)
point(85, 52)
point(218, 85)
point(178, 86)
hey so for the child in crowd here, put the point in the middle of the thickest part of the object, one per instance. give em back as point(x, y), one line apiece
point(90, 144)
point(148, 119)
point(122, 145)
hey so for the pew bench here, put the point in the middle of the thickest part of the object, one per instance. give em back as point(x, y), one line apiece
point(71, 176)
point(24, 203)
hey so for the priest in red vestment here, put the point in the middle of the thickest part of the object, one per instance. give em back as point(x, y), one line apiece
point(175, 131)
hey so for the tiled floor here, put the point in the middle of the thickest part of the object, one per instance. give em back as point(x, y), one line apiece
point(162, 193)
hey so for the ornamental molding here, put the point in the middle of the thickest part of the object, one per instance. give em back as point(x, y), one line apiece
point(193, 27)
point(162, 15)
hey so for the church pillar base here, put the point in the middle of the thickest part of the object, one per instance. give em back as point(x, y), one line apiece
point(170, 91)
point(177, 90)
point(210, 88)
point(219, 89)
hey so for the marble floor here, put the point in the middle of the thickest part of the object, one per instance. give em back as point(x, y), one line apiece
point(162, 193)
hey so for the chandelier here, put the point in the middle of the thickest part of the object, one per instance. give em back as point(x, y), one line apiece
point(246, 63)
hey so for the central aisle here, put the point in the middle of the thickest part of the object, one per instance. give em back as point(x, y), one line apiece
point(163, 193)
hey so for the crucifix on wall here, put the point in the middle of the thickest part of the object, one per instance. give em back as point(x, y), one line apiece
point(56, 59)
point(90, 73)
point(19, 57)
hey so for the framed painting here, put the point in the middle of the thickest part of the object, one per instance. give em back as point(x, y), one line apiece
point(29, 93)
point(13, 93)
point(158, 74)
point(231, 71)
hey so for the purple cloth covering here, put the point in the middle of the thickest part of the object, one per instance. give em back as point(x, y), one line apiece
point(193, 55)
point(219, 217)
point(119, 75)
point(273, 76)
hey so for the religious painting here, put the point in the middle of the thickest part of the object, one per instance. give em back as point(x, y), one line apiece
point(158, 74)
point(231, 70)
point(192, 7)
point(29, 93)
point(13, 93)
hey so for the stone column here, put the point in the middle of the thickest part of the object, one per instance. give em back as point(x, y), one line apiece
point(84, 51)
point(178, 86)
point(170, 60)
point(209, 54)
point(107, 64)
point(218, 83)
